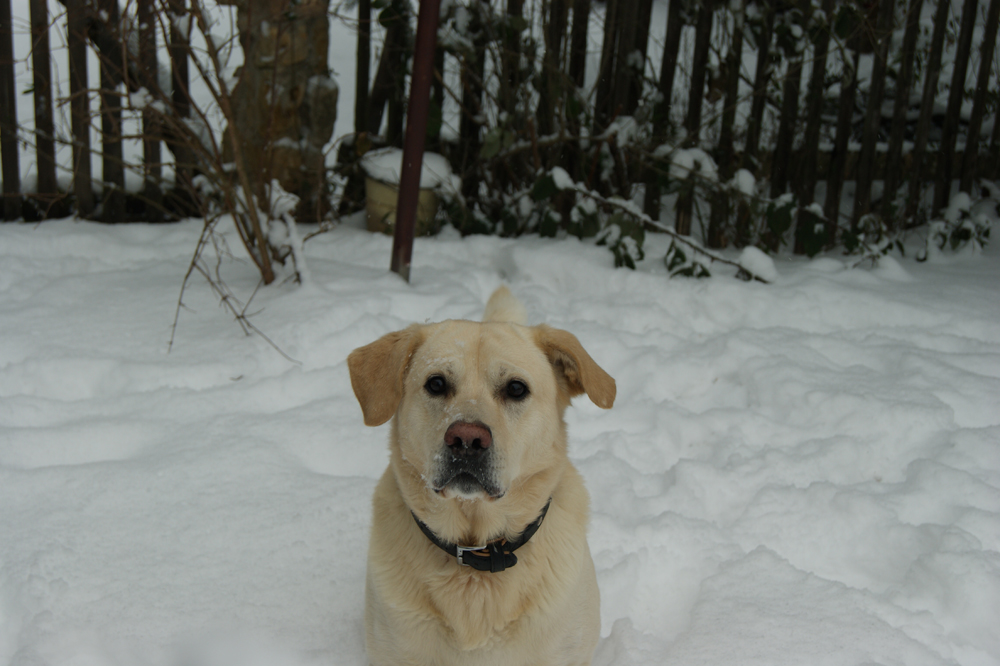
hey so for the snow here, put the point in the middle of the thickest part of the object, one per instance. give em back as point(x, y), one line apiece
point(562, 179)
point(140, 99)
point(817, 210)
point(960, 203)
point(744, 182)
point(804, 472)
point(684, 162)
point(757, 263)
point(386, 165)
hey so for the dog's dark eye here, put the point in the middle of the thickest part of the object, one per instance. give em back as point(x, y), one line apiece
point(436, 385)
point(517, 389)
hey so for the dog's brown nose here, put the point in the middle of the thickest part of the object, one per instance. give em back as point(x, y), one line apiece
point(467, 439)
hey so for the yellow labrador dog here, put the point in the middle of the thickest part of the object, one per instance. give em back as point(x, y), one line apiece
point(478, 552)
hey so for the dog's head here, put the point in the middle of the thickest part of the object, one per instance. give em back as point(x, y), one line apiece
point(478, 406)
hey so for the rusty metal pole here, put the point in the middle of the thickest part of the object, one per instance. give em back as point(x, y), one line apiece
point(416, 133)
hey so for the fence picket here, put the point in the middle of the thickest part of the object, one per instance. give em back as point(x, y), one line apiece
point(838, 161)
point(692, 120)
point(46, 193)
point(8, 118)
point(949, 134)
point(112, 161)
point(152, 191)
point(971, 154)
point(363, 66)
point(814, 106)
point(873, 114)
point(904, 81)
point(722, 205)
point(179, 21)
point(661, 111)
point(79, 105)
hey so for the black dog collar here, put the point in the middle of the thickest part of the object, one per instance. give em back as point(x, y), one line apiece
point(495, 556)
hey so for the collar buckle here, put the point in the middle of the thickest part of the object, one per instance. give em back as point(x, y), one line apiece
point(462, 550)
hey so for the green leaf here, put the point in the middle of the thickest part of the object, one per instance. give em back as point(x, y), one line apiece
point(960, 236)
point(392, 13)
point(851, 242)
point(548, 226)
point(517, 23)
point(811, 232)
point(492, 143)
point(846, 22)
point(583, 222)
point(511, 225)
point(678, 264)
point(589, 226)
point(674, 258)
point(544, 188)
point(574, 107)
point(779, 217)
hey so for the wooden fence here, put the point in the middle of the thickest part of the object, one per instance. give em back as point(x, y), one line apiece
point(95, 27)
point(618, 92)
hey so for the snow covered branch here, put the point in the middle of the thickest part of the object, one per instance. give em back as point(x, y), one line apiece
point(564, 182)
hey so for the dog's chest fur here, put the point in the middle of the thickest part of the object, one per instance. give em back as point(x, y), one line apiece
point(454, 615)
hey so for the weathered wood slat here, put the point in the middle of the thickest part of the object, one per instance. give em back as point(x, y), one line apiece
point(112, 161)
point(838, 167)
point(721, 205)
point(873, 114)
point(814, 105)
point(762, 75)
point(661, 110)
point(152, 191)
point(979, 102)
point(46, 193)
point(179, 49)
point(949, 133)
point(79, 104)
point(900, 107)
point(927, 104)
point(8, 119)
point(363, 66)
point(692, 120)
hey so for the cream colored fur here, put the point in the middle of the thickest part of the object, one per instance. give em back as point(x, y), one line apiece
point(421, 606)
point(502, 306)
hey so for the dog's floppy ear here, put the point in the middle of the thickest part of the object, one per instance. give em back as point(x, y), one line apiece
point(581, 373)
point(377, 373)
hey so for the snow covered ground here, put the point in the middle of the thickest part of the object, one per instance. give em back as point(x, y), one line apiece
point(799, 473)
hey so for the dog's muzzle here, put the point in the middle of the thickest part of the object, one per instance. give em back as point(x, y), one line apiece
point(467, 461)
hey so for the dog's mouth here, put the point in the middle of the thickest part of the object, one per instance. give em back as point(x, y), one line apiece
point(467, 482)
